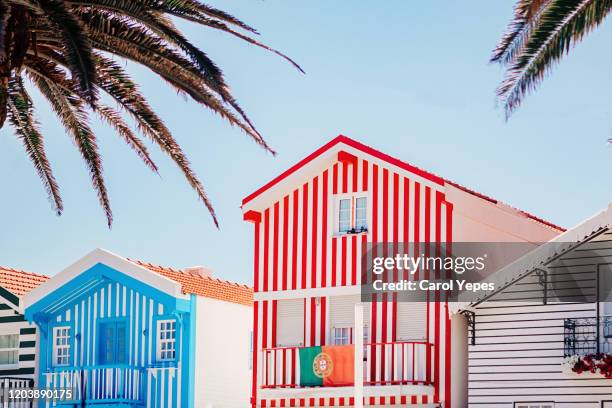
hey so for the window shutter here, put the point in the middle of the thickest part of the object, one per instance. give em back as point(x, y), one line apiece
point(290, 323)
point(411, 321)
point(342, 311)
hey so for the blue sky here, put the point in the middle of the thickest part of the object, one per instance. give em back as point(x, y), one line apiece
point(408, 78)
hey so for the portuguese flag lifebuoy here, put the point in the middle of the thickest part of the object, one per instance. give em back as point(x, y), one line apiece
point(327, 366)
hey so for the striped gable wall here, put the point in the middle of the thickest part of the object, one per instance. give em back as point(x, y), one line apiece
point(296, 249)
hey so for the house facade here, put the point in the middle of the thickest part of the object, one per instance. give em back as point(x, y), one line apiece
point(553, 308)
point(126, 333)
point(310, 225)
point(18, 338)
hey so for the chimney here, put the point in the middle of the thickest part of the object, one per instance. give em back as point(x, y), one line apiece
point(199, 271)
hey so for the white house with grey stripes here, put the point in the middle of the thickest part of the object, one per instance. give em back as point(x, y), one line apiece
point(18, 338)
point(553, 305)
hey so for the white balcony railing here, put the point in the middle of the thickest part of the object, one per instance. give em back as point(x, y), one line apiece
point(392, 363)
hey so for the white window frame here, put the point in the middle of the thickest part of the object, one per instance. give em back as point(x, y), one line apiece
point(535, 404)
point(349, 335)
point(167, 341)
point(353, 207)
point(11, 349)
point(342, 333)
point(67, 346)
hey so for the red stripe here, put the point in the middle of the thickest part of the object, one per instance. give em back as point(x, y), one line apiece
point(324, 231)
point(344, 177)
point(334, 250)
point(255, 352)
point(364, 174)
point(256, 258)
point(285, 239)
point(263, 403)
point(343, 261)
point(332, 402)
point(354, 260)
point(321, 402)
point(275, 248)
point(304, 320)
point(395, 224)
point(315, 205)
point(417, 223)
point(304, 232)
point(312, 402)
point(322, 318)
point(354, 167)
point(274, 321)
point(335, 179)
point(341, 401)
point(385, 240)
point(283, 402)
point(294, 227)
point(449, 240)
point(373, 337)
point(266, 249)
point(313, 321)
point(406, 238)
point(292, 402)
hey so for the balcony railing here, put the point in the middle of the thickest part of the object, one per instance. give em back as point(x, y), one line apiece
point(394, 363)
point(587, 335)
point(99, 384)
point(8, 384)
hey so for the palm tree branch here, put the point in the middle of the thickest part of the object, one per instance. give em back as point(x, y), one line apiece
point(20, 115)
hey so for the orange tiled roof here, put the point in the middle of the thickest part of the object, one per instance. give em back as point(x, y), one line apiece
point(19, 282)
point(194, 283)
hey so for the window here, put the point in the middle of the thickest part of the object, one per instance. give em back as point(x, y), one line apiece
point(112, 343)
point(534, 405)
point(352, 215)
point(166, 340)
point(9, 349)
point(342, 335)
point(344, 215)
point(61, 345)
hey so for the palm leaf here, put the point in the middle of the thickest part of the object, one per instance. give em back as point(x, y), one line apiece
point(114, 119)
point(78, 48)
point(20, 115)
point(71, 113)
point(562, 24)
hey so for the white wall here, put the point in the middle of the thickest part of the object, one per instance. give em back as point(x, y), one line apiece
point(222, 373)
point(459, 361)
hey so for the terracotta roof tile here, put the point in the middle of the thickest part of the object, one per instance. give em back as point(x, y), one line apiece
point(194, 283)
point(19, 282)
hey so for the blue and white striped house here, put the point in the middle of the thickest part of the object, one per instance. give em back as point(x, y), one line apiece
point(125, 333)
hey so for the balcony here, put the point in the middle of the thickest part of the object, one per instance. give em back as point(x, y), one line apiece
point(108, 384)
point(11, 383)
point(384, 364)
point(587, 336)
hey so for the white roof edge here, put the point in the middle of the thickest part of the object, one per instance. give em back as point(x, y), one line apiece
point(102, 256)
point(530, 261)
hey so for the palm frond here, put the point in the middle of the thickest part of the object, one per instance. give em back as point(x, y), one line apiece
point(114, 119)
point(196, 8)
point(5, 13)
point(73, 116)
point(21, 117)
point(78, 47)
point(562, 24)
point(115, 82)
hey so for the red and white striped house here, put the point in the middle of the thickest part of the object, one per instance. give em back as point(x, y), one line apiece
point(309, 226)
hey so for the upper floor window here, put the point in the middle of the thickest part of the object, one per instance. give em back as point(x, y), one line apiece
point(9, 349)
point(61, 345)
point(352, 214)
point(112, 342)
point(166, 340)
